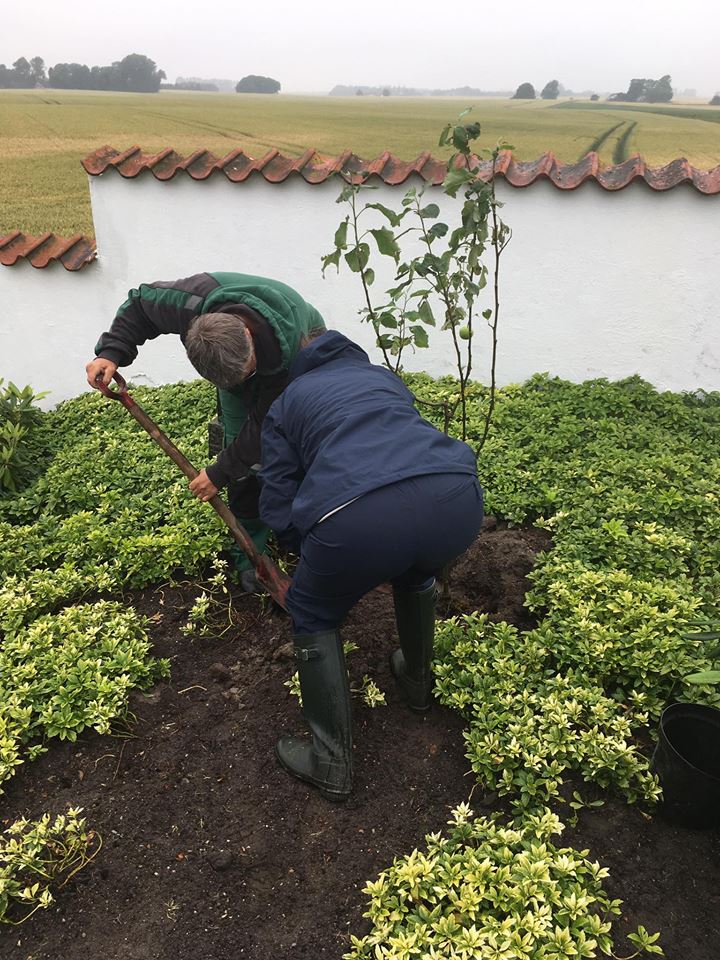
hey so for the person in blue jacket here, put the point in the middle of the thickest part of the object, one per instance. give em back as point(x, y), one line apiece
point(366, 491)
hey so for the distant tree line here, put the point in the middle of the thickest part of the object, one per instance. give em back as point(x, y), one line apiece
point(526, 91)
point(135, 73)
point(639, 91)
point(255, 84)
point(206, 86)
point(362, 90)
point(646, 91)
point(23, 74)
point(551, 91)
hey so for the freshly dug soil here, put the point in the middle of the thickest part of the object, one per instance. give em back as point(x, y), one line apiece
point(212, 852)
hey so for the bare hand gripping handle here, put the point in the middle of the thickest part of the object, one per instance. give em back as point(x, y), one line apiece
point(268, 574)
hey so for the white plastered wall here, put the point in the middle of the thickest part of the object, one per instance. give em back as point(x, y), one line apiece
point(593, 283)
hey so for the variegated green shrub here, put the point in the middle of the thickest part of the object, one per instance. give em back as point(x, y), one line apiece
point(68, 672)
point(491, 891)
point(626, 479)
point(38, 855)
point(109, 512)
point(529, 727)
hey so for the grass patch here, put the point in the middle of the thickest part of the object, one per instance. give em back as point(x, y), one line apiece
point(621, 151)
point(46, 134)
point(707, 114)
point(598, 142)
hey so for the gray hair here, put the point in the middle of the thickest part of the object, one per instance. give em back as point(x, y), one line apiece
point(220, 348)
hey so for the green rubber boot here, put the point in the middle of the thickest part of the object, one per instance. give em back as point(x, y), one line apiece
point(325, 761)
point(258, 533)
point(410, 665)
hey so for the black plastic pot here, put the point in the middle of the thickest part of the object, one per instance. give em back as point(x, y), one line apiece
point(687, 761)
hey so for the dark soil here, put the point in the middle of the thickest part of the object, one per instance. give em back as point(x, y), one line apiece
point(212, 852)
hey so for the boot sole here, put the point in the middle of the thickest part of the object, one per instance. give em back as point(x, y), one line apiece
point(333, 796)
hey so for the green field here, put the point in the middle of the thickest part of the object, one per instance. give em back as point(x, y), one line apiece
point(45, 133)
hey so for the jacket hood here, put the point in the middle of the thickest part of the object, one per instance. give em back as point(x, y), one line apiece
point(329, 346)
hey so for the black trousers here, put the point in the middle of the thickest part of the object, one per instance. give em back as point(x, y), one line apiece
point(404, 533)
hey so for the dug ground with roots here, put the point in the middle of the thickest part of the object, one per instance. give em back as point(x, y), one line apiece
point(212, 852)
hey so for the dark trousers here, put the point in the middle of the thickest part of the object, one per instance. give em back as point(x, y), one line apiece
point(403, 533)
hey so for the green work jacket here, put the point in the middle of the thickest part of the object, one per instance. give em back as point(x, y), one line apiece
point(276, 315)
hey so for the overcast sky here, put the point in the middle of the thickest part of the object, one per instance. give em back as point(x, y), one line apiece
point(312, 47)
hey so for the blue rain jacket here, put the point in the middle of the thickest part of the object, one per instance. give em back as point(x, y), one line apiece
point(341, 428)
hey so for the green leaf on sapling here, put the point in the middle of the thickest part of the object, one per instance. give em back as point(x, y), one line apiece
point(393, 218)
point(332, 259)
point(437, 230)
point(341, 235)
point(386, 243)
point(429, 212)
point(358, 257)
point(454, 179)
point(460, 137)
point(420, 336)
point(425, 313)
point(387, 320)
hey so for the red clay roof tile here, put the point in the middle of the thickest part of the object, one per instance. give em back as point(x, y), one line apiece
point(275, 168)
point(72, 252)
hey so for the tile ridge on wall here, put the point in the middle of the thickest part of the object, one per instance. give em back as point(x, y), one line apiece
point(238, 166)
point(77, 251)
point(72, 252)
